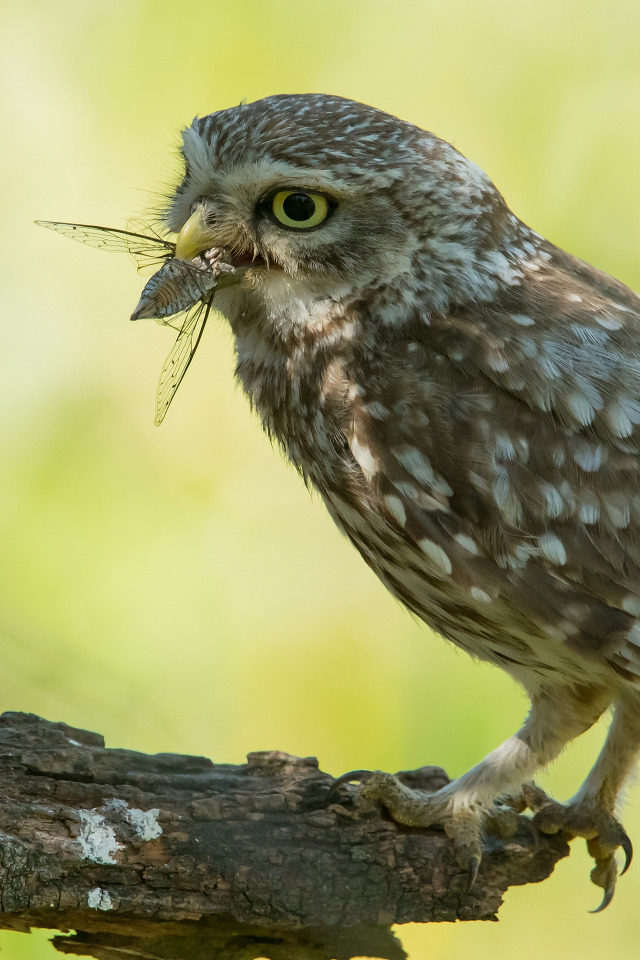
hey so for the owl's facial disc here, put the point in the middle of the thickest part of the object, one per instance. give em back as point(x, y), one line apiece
point(276, 217)
point(290, 210)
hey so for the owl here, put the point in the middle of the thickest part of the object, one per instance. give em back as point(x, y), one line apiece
point(465, 398)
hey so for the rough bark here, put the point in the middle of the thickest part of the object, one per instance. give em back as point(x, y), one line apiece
point(172, 856)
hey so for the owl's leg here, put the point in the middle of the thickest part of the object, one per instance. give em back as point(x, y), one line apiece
point(466, 806)
point(590, 813)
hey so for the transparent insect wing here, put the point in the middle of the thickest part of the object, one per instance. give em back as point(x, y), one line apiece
point(175, 288)
point(177, 363)
point(144, 249)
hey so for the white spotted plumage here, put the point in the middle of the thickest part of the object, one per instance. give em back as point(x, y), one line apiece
point(464, 396)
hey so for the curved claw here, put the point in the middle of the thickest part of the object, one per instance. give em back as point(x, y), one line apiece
point(353, 775)
point(606, 900)
point(472, 872)
point(627, 846)
point(535, 833)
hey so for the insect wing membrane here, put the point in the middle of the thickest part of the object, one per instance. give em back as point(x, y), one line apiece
point(143, 248)
point(179, 284)
point(176, 364)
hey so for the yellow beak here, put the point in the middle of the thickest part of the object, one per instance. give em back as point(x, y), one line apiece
point(194, 237)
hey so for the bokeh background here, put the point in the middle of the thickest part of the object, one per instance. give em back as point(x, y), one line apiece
point(177, 588)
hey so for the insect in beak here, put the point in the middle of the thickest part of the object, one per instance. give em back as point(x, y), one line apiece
point(180, 292)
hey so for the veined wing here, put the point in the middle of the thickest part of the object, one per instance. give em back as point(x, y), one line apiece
point(143, 248)
point(177, 363)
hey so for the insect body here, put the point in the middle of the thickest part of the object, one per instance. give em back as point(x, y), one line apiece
point(177, 287)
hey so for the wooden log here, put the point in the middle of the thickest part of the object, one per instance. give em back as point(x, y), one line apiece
point(169, 853)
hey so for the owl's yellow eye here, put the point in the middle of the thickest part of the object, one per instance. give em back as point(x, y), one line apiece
point(299, 209)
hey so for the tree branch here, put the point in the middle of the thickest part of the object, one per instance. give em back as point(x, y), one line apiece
point(173, 856)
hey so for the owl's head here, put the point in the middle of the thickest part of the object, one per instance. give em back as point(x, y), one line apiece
point(334, 195)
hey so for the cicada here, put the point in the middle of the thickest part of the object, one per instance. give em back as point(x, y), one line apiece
point(179, 294)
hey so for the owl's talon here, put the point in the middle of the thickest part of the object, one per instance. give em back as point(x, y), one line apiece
point(534, 832)
point(472, 872)
point(627, 848)
point(353, 776)
point(357, 776)
point(503, 821)
point(534, 798)
point(605, 875)
point(463, 822)
point(601, 830)
point(606, 900)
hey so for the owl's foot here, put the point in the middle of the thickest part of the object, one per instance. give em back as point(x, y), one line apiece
point(600, 829)
point(463, 819)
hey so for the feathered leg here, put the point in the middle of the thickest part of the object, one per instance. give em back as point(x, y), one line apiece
point(591, 812)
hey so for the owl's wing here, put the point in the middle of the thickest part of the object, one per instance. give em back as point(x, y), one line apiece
point(144, 249)
point(181, 355)
point(505, 442)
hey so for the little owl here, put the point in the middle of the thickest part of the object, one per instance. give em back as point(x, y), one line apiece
point(465, 398)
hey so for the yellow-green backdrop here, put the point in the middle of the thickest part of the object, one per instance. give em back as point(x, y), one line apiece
point(176, 588)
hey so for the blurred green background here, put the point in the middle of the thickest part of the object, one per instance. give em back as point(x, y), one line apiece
point(177, 589)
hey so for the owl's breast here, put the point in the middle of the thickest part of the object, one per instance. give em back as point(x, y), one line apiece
point(426, 471)
point(295, 371)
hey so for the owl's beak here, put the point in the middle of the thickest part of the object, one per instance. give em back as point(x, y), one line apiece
point(194, 237)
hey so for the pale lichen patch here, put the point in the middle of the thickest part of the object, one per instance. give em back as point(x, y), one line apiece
point(99, 899)
point(97, 838)
point(144, 822)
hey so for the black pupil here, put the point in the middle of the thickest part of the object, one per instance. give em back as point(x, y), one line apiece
point(299, 206)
